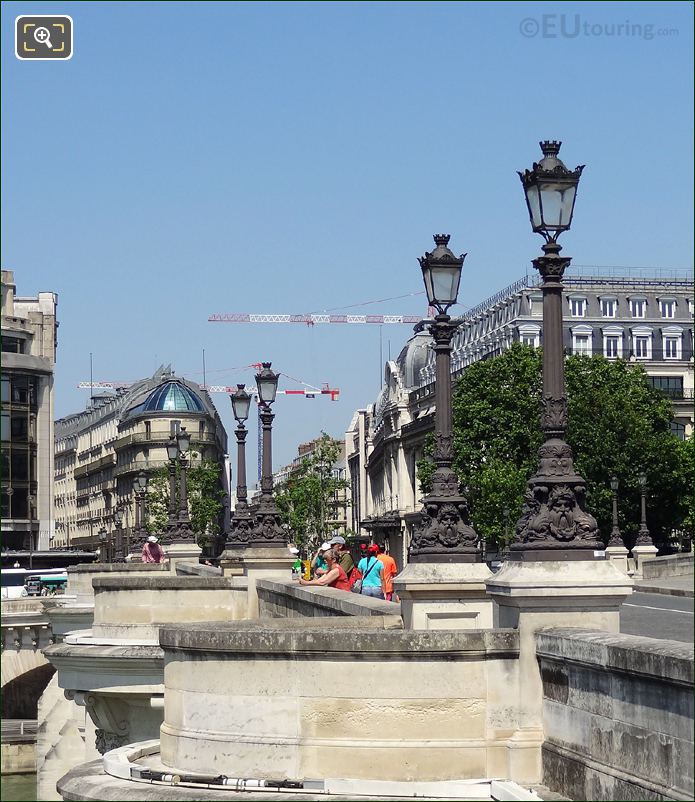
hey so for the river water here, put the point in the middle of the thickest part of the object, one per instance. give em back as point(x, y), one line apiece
point(18, 788)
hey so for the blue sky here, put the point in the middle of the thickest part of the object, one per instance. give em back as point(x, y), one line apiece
point(194, 158)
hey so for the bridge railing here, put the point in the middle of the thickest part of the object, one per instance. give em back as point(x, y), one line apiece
point(18, 730)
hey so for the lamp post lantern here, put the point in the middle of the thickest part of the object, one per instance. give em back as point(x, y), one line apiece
point(268, 530)
point(644, 537)
point(444, 533)
point(554, 519)
point(616, 537)
point(242, 523)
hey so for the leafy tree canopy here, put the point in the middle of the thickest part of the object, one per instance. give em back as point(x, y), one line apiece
point(618, 425)
point(310, 497)
point(205, 499)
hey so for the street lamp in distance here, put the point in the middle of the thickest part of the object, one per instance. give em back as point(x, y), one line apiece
point(268, 530)
point(444, 533)
point(242, 523)
point(103, 538)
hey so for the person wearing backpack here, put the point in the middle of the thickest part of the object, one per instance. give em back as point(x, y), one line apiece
point(371, 569)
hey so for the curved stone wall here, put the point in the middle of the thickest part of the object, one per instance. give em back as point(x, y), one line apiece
point(295, 699)
point(135, 606)
point(80, 576)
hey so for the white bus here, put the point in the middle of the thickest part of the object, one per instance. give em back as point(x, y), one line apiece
point(14, 580)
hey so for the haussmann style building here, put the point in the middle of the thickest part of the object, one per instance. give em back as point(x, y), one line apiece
point(100, 450)
point(646, 319)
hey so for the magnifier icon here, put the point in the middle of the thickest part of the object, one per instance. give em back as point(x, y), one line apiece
point(43, 36)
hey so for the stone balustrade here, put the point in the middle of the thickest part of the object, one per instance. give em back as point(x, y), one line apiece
point(294, 698)
point(80, 576)
point(134, 607)
point(617, 714)
point(289, 599)
point(669, 566)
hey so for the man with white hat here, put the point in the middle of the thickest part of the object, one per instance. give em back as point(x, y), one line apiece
point(345, 560)
point(152, 551)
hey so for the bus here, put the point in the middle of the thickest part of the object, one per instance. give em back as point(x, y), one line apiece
point(18, 582)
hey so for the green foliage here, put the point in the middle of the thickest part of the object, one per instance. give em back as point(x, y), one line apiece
point(205, 499)
point(619, 425)
point(309, 498)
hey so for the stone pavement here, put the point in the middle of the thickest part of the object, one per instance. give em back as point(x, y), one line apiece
point(668, 586)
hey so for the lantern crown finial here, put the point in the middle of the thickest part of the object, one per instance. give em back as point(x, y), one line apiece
point(441, 239)
point(550, 147)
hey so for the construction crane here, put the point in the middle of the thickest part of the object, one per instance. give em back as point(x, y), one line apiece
point(309, 392)
point(312, 320)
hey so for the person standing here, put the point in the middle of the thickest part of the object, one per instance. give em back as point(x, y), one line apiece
point(371, 569)
point(390, 570)
point(152, 551)
point(344, 557)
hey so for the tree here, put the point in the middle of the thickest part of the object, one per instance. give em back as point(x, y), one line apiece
point(308, 499)
point(205, 499)
point(619, 425)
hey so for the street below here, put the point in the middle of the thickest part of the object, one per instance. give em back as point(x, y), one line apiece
point(656, 615)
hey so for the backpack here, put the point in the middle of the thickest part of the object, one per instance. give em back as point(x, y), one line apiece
point(354, 578)
point(356, 585)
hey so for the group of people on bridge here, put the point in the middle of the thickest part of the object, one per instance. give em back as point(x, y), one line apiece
point(334, 566)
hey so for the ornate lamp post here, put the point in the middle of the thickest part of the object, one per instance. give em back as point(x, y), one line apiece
point(118, 556)
point(140, 490)
point(183, 438)
point(444, 533)
point(616, 537)
point(173, 454)
point(242, 522)
point(644, 538)
point(178, 529)
point(103, 536)
point(268, 530)
point(554, 523)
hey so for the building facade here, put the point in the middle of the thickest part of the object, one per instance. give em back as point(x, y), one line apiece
point(99, 451)
point(29, 341)
point(640, 318)
point(336, 520)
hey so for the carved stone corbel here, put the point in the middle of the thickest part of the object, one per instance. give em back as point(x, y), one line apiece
point(111, 730)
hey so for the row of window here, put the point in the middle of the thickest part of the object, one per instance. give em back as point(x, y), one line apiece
point(12, 345)
point(609, 307)
point(18, 388)
point(582, 342)
point(641, 345)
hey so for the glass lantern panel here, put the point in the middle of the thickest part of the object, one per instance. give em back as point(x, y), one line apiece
point(445, 282)
point(557, 201)
point(534, 206)
point(429, 289)
point(240, 406)
point(267, 390)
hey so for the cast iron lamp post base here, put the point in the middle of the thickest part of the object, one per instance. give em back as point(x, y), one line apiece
point(554, 523)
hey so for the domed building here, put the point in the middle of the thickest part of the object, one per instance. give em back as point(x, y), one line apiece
point(100, 451)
